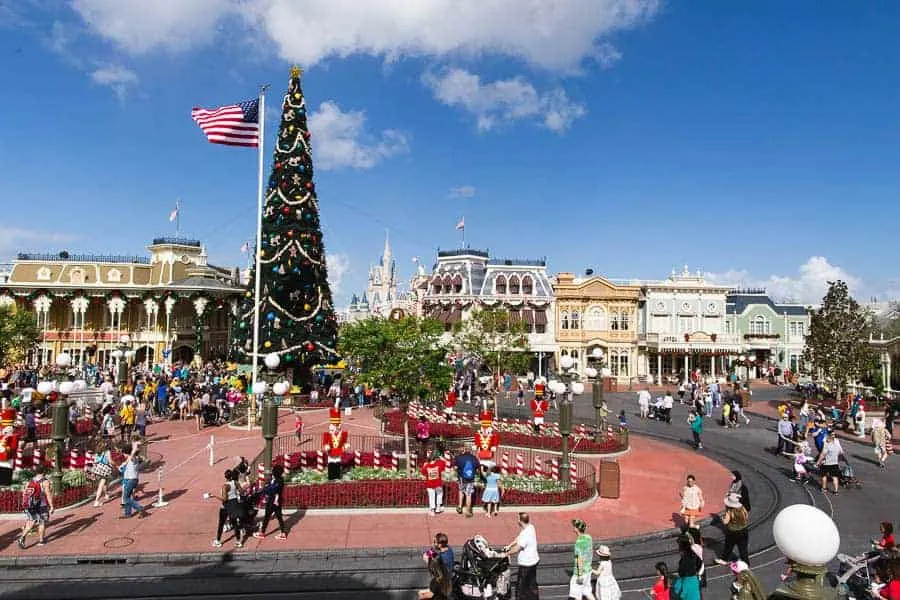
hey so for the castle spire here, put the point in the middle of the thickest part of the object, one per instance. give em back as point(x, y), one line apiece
point(386, 257)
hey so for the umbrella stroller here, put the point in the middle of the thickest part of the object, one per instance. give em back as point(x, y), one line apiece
point(482, 573)
point(848, 477)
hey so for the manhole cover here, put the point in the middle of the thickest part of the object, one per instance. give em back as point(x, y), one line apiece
point(118, 542)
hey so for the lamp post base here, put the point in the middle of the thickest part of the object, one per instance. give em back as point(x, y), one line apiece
point(809, 585)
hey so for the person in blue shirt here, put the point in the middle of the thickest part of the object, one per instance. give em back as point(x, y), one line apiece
point(162, 396)
point(819, 433)
point(466, 469)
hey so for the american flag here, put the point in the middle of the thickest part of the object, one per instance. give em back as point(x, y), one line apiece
point(232, 125)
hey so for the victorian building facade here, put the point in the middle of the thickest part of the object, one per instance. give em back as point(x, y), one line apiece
point(681, 328)
point(173, 305)
point(462, 281)
point(771, 334)
point(597, 322)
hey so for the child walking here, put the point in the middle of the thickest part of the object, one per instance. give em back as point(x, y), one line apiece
point(490, 497)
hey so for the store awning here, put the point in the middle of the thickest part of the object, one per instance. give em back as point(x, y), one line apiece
point(454, 316)
point(529, 316)
point(514, 317)
point(540, 317)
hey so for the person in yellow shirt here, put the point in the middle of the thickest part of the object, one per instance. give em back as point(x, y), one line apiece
point(127, 420)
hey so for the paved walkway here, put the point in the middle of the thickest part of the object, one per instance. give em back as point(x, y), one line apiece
point(652, 475)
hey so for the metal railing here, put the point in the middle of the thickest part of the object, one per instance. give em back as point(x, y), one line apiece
point(181, 241)
point(65, 257)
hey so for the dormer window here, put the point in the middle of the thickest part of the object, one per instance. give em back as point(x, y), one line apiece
point(500, 284)
point(527, 285)
point(514, 285)
point(43, 274)
point(457, 284)
point(114, 276)
point(448, 284)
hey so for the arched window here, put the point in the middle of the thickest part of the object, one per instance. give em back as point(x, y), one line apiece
point(564, 320)
point(514, 285)
point(457, 284)
point(760, 325)
point(624, 320)
point(614, 320)
point(500, 284)
point(436, 285)
point(575, 354)
point(527, 285)
point(595, 319)
point(575, 320)
point(563, 352)
point(448, 284)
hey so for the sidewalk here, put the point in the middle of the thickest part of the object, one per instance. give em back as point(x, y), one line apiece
point(649, 500)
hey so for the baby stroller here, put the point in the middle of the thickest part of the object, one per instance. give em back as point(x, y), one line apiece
point(210, 415)
point(848, 478)
point(482, 573)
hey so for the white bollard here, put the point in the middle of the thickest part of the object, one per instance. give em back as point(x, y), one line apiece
point(160, 501)
point(212, 443)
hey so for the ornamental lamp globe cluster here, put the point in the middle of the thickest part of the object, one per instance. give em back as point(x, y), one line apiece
point(123, 351)
point(270, 405)
point(566, 385)
point(597, 377)
point(810, 540)
point(60, 413)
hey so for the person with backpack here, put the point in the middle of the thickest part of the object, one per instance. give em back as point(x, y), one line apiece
point(37, 498)
point(466, 469)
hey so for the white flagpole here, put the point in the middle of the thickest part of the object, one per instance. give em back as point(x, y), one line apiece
point(251, 405)
point(177, 218)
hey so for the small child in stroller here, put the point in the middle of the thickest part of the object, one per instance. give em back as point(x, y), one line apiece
point(848, 477)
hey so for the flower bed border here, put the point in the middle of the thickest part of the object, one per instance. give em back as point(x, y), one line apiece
point(11, 499)
point(579, 444)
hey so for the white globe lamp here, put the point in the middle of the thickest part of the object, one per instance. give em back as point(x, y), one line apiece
point(260, 387)
point(125, 339)
point(577, 388)
point(63, 360)
point(66, 387)
point(742, 358)
point(80, 385)
point(45, 387)
point(650, 379)
point(597, 353)
point(605, 371)
point(272, 360)
point(566, 362)
point(810, 539)
point(590, 372)
point(280, 388)
point(117, 353)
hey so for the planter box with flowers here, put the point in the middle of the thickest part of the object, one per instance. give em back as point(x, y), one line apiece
point(83, 426)
point(366, 486)
point(512, 432)
point(76, 488)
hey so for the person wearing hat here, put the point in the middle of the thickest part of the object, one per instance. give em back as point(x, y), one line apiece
point(580, 583)
point(736, 521)
point(745, 585)
point(607, 586)
point(486, 440)
point(539, 407)
point(335, 443)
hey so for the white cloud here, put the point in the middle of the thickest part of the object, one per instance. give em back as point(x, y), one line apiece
point(552, 34)
point(462, 191)
point(504, 101)
point(339, 139)
point(807, 286)
point(115, 77)
point(16, 239)
point(338, 266)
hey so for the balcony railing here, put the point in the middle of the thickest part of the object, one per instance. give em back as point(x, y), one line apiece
point(671, 338)
point(519, 262)
point(66, 257)
point(179, 241)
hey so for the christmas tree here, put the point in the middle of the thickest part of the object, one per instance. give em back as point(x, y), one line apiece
point(296, 312)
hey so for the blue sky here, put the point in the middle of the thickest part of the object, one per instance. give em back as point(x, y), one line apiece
point(756, 141)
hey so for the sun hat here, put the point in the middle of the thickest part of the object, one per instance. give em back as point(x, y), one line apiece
point(733, 501)
point(603, 550)
point(739, 566)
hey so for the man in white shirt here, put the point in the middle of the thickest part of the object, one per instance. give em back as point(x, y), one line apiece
point(644, 402)
point(525, 545)
point(668, 403)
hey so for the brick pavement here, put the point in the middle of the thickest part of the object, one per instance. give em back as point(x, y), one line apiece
point(649, 499)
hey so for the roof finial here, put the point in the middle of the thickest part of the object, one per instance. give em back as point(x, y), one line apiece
point(296, 72)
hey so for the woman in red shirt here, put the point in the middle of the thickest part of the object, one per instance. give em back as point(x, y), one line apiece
point(660, 589)
point(887, 537)
point(892, 590)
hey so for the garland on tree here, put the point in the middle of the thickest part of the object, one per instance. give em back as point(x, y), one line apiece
point(296, 313)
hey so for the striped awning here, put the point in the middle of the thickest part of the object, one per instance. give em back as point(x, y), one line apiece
point(540, 317)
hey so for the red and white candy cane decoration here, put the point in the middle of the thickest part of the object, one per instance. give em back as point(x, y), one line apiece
point(376, 459)
point(520, 464)
point(554, 470)
point(395, 461)
point(73, 458)
point(357, 458)
point(573, 472)
point(504, 464)
point(320, 460)
point(261, 474)
point(447, 461)
point(287, 464)
point(88, 461)
point(20, 455)
point(36, 457)
point(538, 466)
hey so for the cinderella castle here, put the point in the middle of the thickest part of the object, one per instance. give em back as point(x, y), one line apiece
point(381, 295)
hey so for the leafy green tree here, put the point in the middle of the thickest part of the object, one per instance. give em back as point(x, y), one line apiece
point(406, 356)
point(19, 333)
point(838, 339)
point(491, 338)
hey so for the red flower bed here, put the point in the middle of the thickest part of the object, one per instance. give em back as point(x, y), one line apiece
point(610, 444)
point(83, 426)
point(11, 500)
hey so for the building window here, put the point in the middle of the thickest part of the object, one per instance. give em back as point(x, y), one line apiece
point(540, 328)
point(623, 365)
point(500, 284)
point(457, 284)
point(797, 328)
point(448, 284)
point(614, 320)
point(43, 274)
point(575, 320)
point(564, 320)
point(624, 321)
point(728, 327)
point(685, 324)
point(527, 285)
point(595, 320)
point(514, 285)
point(114, 276)
point(759, 325)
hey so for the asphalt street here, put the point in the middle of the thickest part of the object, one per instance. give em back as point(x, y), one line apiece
point(398, 573)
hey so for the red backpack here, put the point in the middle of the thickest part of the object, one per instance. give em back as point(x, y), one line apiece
point(33, 496)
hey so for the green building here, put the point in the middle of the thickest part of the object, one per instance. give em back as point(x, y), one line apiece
point(772, 335)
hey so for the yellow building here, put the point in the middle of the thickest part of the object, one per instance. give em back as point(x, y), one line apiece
point(597, 323)
point(173, 305)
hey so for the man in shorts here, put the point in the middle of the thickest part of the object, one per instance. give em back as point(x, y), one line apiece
point(466, 470)
point(38, 501)
point(829, 460)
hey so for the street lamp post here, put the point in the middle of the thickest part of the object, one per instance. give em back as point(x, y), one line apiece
point(600, 411)
point(60, 412)
point(810, 540)
point(270, 408)
point(568, 386)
